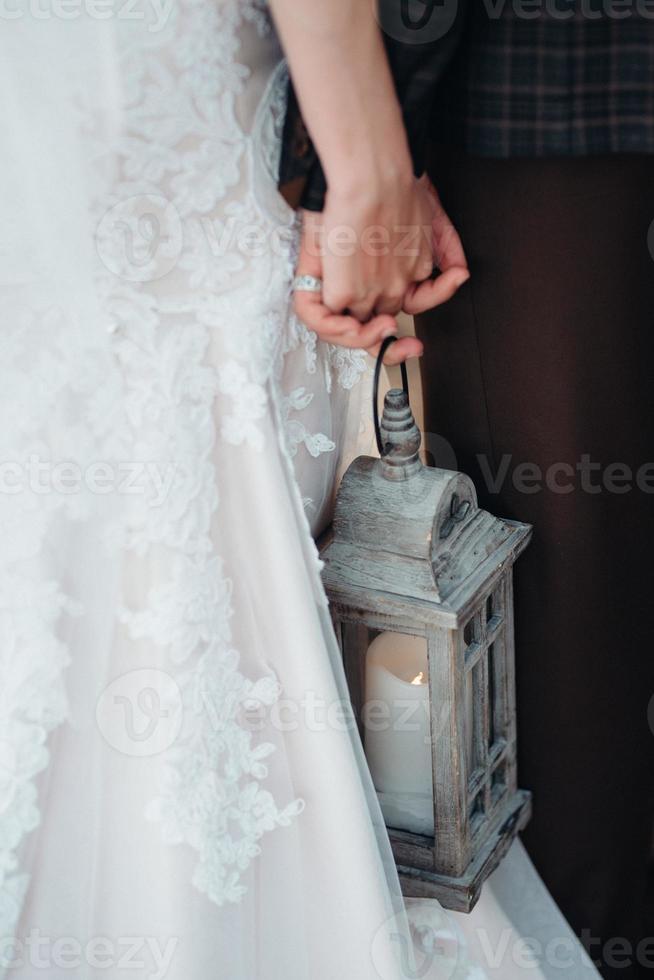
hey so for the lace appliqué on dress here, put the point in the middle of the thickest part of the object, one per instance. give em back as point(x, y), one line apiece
point(63, 405)
point(212, 796)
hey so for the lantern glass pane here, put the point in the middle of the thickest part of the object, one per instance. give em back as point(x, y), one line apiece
point(476, 812)
point(474, 718)
point(472, 630)
point(492, 696)
point(469, 724)
point(494, 608)
point(396, 722)
point(497, 688)
point(498, 783)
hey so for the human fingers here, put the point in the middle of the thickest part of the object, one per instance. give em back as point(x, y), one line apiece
point(339, 328)
point(426, 295)
point(400, 351)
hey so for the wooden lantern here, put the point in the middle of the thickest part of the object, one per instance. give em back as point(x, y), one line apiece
point(410, 553)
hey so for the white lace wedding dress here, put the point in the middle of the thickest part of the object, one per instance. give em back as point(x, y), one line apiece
point(176, 799)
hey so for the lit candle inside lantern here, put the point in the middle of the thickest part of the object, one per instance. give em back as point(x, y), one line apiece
point(397, 730)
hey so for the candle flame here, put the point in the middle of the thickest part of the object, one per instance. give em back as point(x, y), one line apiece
point(419, 678)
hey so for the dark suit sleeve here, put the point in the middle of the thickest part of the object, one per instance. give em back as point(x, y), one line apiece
point(416, 69)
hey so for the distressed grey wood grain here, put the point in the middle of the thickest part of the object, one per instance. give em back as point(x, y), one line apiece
point(410, 551)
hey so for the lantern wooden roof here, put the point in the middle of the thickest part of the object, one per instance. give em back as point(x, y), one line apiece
point(403, 530)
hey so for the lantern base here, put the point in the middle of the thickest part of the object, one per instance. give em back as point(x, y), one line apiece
point(460, 894)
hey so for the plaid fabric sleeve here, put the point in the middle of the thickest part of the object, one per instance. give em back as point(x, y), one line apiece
point(418, 55)
point(573, 78)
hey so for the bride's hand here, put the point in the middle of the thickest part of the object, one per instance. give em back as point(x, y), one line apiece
point(376, 241)
point(349, 101)
point(342, 328)
point(447, 256)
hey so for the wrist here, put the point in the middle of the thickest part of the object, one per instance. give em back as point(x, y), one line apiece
point(372, 178)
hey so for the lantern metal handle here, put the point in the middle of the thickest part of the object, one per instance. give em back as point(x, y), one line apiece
point(375, 389)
